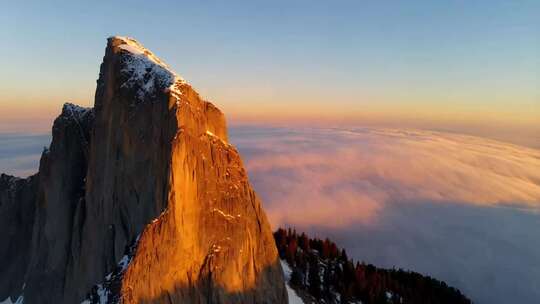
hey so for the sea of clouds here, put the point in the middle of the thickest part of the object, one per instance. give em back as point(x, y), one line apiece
point(20, 153)
point(463, 209)
point(460, 208)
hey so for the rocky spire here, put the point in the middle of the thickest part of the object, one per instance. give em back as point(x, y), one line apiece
point(148, 173)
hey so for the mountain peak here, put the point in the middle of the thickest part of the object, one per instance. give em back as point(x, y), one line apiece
point(136, 48)
point(138, 200)
point(143, 70)
point(74, 111)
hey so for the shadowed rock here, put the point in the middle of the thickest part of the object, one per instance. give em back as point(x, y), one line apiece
point(17, 207)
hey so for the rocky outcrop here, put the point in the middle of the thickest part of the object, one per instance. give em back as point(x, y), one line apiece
point(60, 195)
point(17, 207)
point(38, 212)
point(149, 169)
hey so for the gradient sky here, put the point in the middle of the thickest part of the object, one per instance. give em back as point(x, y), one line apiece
point(466, 65)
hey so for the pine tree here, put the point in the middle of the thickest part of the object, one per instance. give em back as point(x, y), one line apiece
point(314, 279)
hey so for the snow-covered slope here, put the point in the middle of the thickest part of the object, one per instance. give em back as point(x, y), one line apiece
point(145, 72)
point(19, 300)
point(293, 297)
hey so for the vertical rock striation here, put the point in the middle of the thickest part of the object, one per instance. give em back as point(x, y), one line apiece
point(60, 194)
point(17, 208)
point(149, 165)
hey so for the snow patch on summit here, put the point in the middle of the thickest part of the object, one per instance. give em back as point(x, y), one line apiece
point(146, 72)
point(75, 111)
point(133, 46)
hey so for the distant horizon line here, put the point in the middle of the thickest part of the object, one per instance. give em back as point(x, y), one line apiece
point(532, 141)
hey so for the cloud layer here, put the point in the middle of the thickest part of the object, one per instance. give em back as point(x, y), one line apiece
point(20, 153)
point(351, 175)
point(461, 208)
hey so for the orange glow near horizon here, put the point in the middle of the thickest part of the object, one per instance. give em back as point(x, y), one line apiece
point(36, 114)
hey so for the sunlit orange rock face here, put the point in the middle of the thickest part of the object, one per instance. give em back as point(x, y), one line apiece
point(212, 242)
point(149, 168)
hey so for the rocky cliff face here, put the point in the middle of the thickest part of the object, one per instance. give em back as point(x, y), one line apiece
point(17, 208)
point(147, 172)
point(60, 195)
